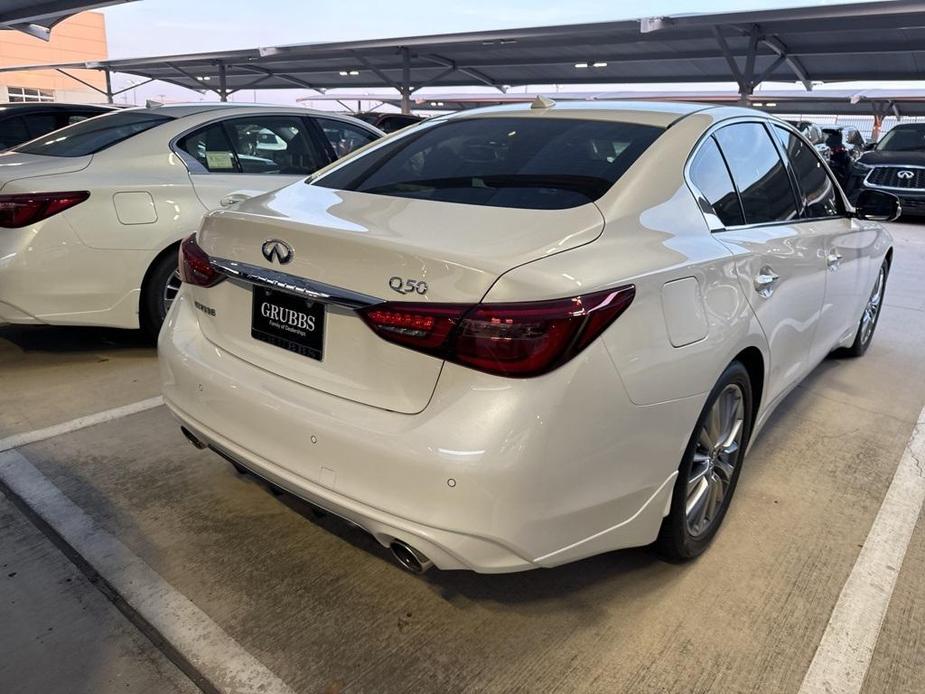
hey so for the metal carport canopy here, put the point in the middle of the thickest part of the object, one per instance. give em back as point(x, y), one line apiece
point(37, 17)
point(865, 41)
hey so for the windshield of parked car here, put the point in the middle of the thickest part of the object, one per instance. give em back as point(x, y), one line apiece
point(92, 135)
point(534, 163)
point(903, 140)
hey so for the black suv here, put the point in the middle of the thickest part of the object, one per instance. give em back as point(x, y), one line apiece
point(896, 165)
point(852, 139)
point(26, 121)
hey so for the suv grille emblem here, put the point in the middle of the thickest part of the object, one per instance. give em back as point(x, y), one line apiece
point(277, 250)
point(905, 174)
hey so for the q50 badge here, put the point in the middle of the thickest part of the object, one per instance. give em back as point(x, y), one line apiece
point(403, 286)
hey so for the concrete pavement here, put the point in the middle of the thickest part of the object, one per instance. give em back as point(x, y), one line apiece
point(325, 608)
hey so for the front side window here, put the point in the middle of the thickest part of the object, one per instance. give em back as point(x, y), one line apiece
point(759, 174)
point(94, 134)
point(816, 189)
point(709, 174)
point(344, 137)
point(533, 163)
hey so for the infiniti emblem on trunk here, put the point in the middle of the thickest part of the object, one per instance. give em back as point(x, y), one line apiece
point(905, 174)
point(277, 250)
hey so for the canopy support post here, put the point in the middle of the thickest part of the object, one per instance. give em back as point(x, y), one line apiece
point(222, 82)
point(405, 87)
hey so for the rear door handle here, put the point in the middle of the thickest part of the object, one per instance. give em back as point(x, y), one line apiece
point(766, 281)
point(833, 259)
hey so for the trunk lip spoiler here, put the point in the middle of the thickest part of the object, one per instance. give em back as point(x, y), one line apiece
point(293, 284)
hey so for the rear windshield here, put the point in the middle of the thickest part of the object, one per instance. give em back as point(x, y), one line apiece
point(535, 163)
point(92, 135)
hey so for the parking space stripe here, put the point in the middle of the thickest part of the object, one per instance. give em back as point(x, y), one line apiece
point(843, 656)
point(216, 657)
point(17, 440)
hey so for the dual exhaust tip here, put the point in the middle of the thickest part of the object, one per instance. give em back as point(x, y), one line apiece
point(407, 556)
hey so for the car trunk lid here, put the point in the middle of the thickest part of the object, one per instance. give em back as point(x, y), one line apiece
point(15, 166)
point(380, 247)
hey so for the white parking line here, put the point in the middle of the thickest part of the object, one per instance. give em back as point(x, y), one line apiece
point(215, 655)
point(17, 440)
point(844, 654)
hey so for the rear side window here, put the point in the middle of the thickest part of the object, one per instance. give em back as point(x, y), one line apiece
point(759, 174)
point(709, 174)
point(211, 148)
point(259, 145)
point(13, 131)
point(533, 163)
point(43, 123)
point(94, 134)
point(815, 187)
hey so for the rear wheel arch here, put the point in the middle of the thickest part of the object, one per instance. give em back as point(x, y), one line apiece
point(171, 249)
point(753, 361)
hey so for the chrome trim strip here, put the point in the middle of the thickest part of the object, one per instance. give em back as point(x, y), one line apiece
point(890, 166)
point(300, 286)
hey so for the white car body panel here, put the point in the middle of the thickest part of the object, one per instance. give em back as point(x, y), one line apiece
point(502, 474)
point(86, 265)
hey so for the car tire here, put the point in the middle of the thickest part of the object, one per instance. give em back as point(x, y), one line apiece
point(868, 322)
point(709, 471)
point(160, 288)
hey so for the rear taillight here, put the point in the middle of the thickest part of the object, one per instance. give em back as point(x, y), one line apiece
point(195, 267)
point(515, 339)
point(22, 209)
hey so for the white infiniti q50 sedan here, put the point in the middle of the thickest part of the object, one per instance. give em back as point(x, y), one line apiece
point(515, 337)
point(91, 215)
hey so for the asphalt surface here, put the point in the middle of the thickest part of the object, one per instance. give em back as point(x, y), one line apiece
point(326, 609)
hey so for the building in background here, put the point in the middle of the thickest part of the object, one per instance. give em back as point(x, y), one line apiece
point(77, 39)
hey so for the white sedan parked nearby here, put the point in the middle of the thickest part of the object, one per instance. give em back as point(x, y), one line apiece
point(521, 336)
point(91, 215)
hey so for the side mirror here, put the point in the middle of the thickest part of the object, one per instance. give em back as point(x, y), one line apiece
point(870, 146)
point(877, 206)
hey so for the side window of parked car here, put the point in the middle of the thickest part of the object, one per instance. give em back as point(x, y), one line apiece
point(12, 132)
point(274, 144)
point(212, 149)
point(815, 187)
point(258, 145)
point(759, 174)
point(711, 177)
point(42, 123)
point(344, 137)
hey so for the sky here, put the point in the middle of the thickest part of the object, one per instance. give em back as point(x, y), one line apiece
point(162, 27)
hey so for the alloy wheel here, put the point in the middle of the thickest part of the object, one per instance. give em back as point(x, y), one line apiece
point(170, 290)
point(869, 319)
point(716, 455)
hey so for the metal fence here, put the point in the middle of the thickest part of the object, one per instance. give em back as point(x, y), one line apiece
point(865, 124)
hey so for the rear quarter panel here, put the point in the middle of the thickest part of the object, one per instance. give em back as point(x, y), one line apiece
point(654, 234)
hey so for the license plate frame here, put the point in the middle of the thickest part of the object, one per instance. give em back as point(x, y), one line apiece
point(288, 321)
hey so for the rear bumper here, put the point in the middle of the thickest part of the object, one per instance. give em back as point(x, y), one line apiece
point(495, 475)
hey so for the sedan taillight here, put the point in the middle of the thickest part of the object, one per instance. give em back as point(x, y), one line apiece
point(22, 209)
point(195, 267)
point(513, 339)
